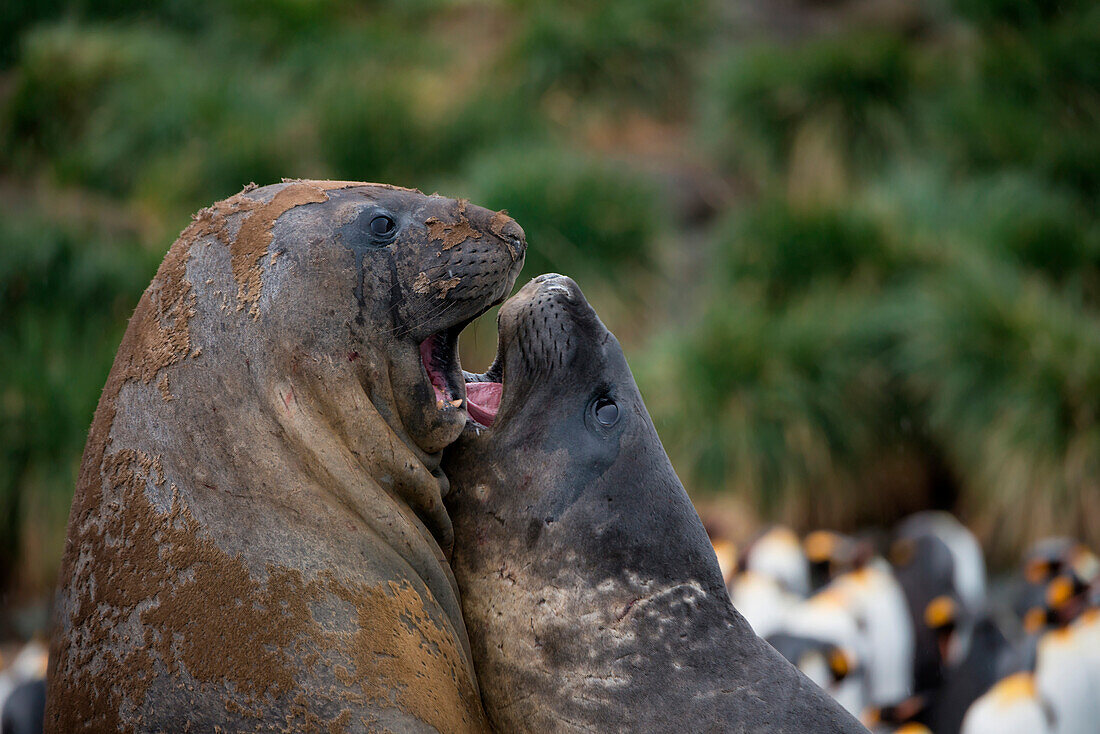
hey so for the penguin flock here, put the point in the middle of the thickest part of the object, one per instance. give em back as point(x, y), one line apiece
point(904, 632)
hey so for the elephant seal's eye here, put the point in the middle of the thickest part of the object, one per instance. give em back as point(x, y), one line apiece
point(607, 412)
point(382, 226)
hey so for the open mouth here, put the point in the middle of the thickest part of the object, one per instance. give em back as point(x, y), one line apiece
point(453, 385)
point(439, 355)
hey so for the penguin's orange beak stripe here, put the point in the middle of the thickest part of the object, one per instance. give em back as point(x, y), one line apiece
point(819, 545)
point(940, 612)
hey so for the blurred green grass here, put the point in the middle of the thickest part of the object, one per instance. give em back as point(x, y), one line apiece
point(855, 267)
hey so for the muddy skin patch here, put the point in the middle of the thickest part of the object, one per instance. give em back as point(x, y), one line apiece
point(398, 640)
point(166, 574)
point(162, 334)
point(450, 234)
point(170, 300)
point(254, 238)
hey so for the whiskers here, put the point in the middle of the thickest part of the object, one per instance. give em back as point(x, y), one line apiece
point(418, 319)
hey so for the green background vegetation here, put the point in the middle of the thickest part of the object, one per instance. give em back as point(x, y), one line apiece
point(851, 248)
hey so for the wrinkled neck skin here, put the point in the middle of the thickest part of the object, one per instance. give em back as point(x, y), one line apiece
point(336, 425)
point(258, 532)
point(591, 592)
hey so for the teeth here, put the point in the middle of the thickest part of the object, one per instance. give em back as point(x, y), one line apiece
point(441, 403)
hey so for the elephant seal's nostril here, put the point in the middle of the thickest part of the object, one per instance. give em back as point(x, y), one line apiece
point(512, 231)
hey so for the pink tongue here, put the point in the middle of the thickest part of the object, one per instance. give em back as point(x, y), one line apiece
point(483, 401)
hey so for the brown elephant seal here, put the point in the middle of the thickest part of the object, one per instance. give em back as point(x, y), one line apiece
point(258, 537)
point(592, 596)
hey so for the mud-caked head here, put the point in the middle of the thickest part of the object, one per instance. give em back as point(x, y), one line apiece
point(393, 276)
point(436, 263)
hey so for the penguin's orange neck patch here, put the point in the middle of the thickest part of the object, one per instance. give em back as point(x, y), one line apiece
point(1015, 688)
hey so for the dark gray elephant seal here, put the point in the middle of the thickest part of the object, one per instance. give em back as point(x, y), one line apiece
point(592, 596)
point(258, 536)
